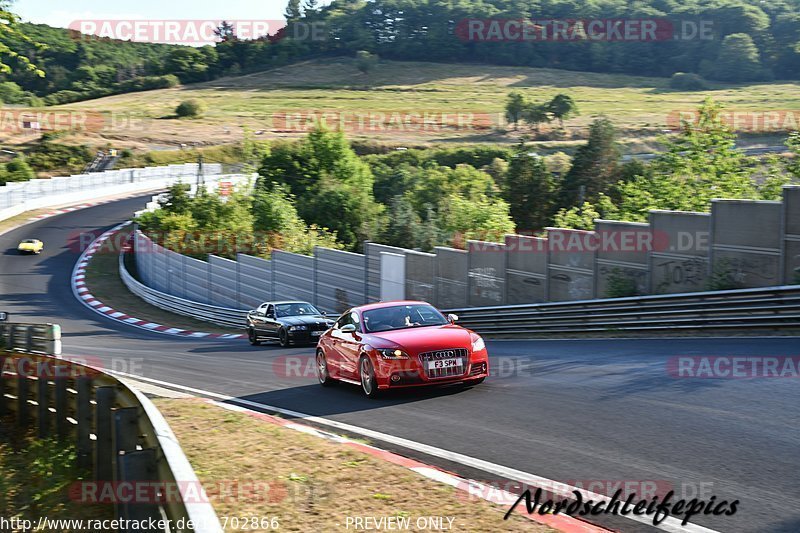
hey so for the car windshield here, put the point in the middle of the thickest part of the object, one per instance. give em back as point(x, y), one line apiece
point(401, 317)
point(29, 241)
point(295, 309)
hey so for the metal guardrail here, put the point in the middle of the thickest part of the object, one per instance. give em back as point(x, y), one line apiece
point(120, 436)
point(31, 338)
point(772, 307)
point(222, 316)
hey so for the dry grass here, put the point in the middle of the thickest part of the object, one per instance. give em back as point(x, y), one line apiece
point(638, 105)
point(313, 484)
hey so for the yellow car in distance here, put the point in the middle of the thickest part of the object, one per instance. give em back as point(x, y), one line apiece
point(30, 246)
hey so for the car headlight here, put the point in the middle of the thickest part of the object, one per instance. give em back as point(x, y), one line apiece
point(478, 344)
point(392, 353)
point(298, 328)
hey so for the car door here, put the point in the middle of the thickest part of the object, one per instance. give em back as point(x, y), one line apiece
point(257, 318)
point(336, 338)
point(350, 346)
point(271, 324)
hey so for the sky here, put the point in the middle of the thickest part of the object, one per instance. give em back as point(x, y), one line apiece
point(60, 13)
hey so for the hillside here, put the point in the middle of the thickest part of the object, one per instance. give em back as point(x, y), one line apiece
point(640, 106)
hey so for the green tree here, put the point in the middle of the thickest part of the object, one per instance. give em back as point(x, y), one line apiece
point(15, 44)
point(578, 217)
point(334, 187)
point(739, 59)
point(595, 165)
point(404, 225)
point(190, 109)
point(535, 115)
point(515, 105)
point(476, 218)
point(562, 106)
point(530, 190)
point(366, 62)
point(18, 169)
point(293, 11)
point(793, 143)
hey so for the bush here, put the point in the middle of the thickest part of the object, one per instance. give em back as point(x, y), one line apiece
point(190, 108)
point(686, 81)
point(621, 285)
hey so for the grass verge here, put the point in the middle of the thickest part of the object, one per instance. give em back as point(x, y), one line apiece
point(103, 281)
point(310, 484)
point(35, 476)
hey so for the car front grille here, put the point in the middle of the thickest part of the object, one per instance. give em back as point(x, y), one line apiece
point(447, 372)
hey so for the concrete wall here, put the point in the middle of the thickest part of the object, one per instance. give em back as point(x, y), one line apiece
point(340, 279)
point(622, 258)
point(393, 277)
point(420, 276)
point(679, 262)
point(526, 269)
point(746, 242)
point(487, 273)
point(757, 243)
point(791, 235)
point(373, 253)
point(451, 277)
point(292, 276)
point(570, 266)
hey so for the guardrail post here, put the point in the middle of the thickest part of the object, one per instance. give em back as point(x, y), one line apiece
point(43, 407)
point(125, 437)
point(22, 397)
point(103, 471)
point(84, 417)
point(125, 429)
point(61, 407)
point(133, 467)
point(3, 378)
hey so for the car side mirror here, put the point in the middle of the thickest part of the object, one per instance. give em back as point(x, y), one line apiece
point(324, 313)
point(452, 318)
point(348, 328)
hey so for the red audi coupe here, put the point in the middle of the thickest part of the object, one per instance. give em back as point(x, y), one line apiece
point(391, 345)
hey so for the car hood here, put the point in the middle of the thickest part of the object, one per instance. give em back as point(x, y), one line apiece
point(424, 339)
point(27, 246)
point(305, 320)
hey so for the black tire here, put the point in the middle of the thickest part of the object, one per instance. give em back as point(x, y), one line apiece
point(283, 337)
point(323, 375)
point(252, 337)
point(367, 374)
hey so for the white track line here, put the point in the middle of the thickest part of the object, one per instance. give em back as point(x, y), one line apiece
point(670, 524)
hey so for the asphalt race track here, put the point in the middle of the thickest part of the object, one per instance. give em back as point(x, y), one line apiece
point(569, 410)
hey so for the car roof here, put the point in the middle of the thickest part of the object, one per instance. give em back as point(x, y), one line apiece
point(286, 302)
point(395, 303)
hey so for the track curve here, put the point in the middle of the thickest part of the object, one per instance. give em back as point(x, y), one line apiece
point(569, 410)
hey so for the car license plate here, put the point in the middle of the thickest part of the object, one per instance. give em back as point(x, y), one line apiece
point(316, 333)
point(444, 363)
